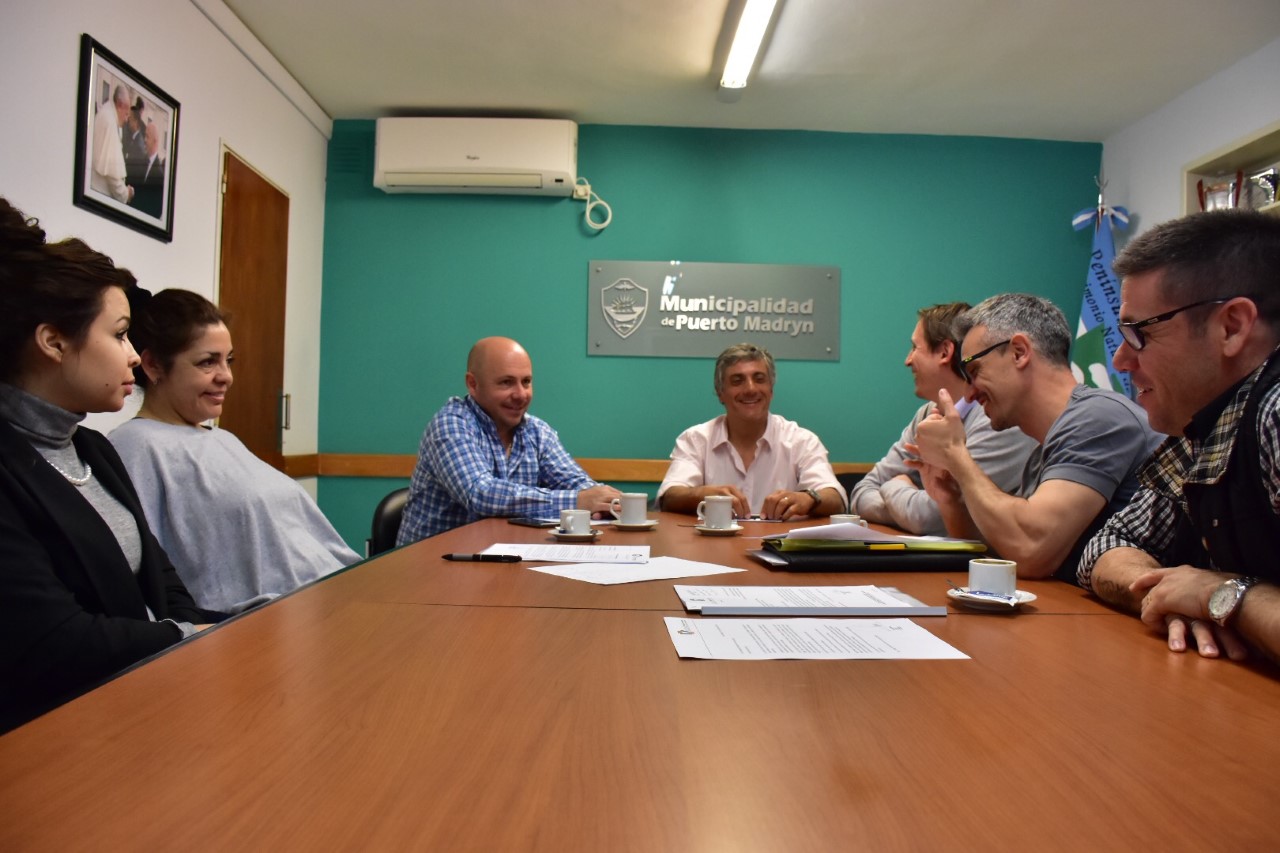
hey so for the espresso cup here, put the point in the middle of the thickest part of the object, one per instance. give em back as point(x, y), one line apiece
point(575, 521)
point(630, 508)
point(987, 574)
point(716, 512)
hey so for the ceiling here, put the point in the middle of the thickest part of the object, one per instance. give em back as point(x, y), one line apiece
point(1048, 69)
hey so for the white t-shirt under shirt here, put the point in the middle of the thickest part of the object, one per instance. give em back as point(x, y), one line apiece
point(237, 530)
point(788, 456)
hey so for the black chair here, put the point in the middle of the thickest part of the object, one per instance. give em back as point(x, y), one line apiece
point(386, 521)
point(849, 481)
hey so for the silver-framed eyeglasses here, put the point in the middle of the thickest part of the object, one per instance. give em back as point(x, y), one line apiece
point(1132, 332)
point(964, 362)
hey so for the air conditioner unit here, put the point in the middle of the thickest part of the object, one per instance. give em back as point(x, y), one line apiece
point(509, 156)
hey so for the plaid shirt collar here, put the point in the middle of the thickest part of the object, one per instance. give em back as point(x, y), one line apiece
point(1200, 456)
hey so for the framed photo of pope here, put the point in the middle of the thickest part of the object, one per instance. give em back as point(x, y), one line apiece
point(126, 144)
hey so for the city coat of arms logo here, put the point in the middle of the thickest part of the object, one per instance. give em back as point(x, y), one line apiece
point(624, 303)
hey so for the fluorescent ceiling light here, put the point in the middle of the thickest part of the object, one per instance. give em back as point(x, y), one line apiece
point(746, 42)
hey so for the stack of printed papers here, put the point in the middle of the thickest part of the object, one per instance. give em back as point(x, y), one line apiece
point(802, 601)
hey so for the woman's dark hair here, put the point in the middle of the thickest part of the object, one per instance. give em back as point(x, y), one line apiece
point(60, 283)
point(167, 323)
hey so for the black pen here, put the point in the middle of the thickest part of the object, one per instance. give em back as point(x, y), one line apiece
point(484, 558)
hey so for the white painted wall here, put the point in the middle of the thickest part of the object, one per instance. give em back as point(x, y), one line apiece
point(1143, 163)
point(224, 100)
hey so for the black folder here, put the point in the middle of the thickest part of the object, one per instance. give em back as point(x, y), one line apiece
point(865, 561)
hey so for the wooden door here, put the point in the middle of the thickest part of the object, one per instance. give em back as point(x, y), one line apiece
point(254, 255)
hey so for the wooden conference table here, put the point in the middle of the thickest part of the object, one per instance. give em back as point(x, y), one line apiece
point(415, 704)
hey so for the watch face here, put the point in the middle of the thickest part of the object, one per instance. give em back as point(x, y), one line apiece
point(1223, 601)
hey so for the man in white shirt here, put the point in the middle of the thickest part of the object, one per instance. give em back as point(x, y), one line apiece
point(107, 174)
point(770, 466)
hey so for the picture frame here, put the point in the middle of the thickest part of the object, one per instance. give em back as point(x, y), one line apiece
point(126, 144)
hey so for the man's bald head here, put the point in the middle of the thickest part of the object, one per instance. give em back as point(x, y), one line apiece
point(500, 380)
point(486, 349)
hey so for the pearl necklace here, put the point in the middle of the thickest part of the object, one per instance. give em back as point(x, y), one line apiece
point(75, 481)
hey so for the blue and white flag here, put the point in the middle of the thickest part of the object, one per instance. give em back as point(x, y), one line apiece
point(1098, 337)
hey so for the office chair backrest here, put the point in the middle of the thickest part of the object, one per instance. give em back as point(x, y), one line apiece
point(386, 521)
point(849, 481)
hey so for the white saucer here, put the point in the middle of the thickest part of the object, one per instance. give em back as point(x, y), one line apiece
point(644, 525)
point(732, 530)
point(977, 602)
point(575, 537)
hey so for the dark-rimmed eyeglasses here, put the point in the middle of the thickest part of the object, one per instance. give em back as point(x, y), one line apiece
point(964, 362)
point(1132, 332)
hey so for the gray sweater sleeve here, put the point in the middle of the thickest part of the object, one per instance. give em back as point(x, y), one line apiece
point(879, 497)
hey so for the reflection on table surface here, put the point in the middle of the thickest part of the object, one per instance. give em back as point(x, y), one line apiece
point(410, 703)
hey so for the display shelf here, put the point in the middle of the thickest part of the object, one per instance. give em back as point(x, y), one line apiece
point(1248, 154)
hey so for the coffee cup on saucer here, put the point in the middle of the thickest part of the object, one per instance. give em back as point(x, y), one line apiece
point(575, 522)
point(998, 577)
point(716, 512)
point(631, 508)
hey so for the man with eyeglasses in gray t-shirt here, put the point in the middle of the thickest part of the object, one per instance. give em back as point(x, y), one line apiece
point(1015, 351)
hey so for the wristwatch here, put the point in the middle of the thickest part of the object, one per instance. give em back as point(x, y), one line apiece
point(817, 499)
point(1225, 600)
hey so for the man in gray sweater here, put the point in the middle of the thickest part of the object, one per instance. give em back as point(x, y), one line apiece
point(891, 493)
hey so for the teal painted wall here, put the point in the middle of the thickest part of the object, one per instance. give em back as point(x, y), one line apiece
point(411, 281)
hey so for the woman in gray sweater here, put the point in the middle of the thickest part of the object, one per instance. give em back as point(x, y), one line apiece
point(240, 531)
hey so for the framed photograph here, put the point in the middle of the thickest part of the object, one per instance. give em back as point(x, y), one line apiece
point(126, 144)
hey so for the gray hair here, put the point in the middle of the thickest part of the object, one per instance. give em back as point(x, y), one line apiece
point(743, 352)
point(1008, 314)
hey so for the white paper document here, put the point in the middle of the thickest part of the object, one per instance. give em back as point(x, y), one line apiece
point(659, 568)
point(806, 639)
point(559, 553)
point(802, 601)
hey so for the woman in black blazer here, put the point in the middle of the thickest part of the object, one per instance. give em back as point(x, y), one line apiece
point(85, 590)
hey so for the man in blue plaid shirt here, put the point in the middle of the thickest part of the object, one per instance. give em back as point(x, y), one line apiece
point(1195, 553)
point(482, 455)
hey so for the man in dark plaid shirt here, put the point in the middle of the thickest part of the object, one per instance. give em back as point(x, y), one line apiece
point(1195, 553)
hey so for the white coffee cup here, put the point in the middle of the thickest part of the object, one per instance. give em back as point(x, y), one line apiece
point(716, 512)
point(987, 574)
point(846, 518)
point(575, 521)
point(631, 508)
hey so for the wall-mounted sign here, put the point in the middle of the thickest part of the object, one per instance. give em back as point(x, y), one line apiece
point(670, 309)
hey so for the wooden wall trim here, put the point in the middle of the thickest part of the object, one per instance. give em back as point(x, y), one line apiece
point(626, 470)
point(400, 466)
point(367, 465)
point(307, 465)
